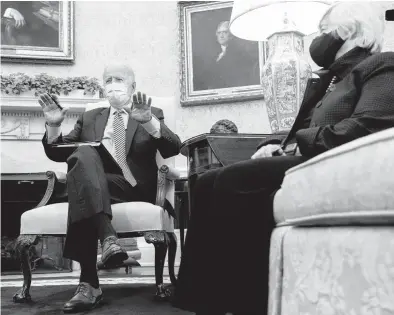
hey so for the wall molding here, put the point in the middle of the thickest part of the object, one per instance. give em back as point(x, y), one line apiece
point(30, 103)
point(33, 114)
point(22, 117)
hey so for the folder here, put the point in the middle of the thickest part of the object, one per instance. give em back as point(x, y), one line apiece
point(66, 149)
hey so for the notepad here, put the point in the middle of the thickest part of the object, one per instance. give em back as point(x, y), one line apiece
point(76, 144)
point(64, 150)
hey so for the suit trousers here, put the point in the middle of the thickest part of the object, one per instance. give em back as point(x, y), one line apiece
point(92, 187)
point(224, 266)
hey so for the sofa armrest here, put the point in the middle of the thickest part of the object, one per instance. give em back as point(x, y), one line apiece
point(350, 184)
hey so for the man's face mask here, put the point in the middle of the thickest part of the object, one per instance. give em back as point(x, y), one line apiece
point(324, 48)
point(117, 94)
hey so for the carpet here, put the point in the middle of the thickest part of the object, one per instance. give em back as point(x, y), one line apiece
point(130, 299)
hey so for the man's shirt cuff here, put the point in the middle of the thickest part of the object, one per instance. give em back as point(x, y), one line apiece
point(7, 13)
point(153, 127)
point(52, 133)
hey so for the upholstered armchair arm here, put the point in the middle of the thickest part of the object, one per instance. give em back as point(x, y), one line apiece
point(165, 184)
point(55, 179)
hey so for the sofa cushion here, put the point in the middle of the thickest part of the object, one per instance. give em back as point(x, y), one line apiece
point(127, 217)
point(353, 183)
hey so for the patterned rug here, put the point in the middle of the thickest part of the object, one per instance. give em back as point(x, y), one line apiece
point(118, 299)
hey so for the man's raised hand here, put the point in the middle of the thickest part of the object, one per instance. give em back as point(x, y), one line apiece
point(53, 114)
point(141, 110)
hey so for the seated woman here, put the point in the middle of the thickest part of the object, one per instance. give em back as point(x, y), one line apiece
point(224, 266)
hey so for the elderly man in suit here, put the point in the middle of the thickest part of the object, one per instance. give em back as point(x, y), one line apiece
point(132, 131)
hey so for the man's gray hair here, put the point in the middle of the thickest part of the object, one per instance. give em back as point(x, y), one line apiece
point(363, 18)
point(227, 23)
point(120, 67)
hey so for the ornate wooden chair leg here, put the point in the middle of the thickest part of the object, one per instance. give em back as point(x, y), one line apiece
point(162, 294)
point(172, 247)
point(23, 245)
point(160, 241)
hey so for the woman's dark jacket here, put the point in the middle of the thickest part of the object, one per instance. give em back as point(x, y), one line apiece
point(361, 103)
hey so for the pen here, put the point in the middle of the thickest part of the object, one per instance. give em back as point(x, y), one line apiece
point(56, 102)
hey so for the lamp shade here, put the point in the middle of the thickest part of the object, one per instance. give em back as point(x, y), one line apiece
point(257, 20)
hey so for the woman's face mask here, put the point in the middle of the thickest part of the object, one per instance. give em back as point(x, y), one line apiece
point(117, 94)
point(324, 48)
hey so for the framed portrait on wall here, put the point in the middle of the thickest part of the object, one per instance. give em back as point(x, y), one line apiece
point(216, 66)
point(37, 31)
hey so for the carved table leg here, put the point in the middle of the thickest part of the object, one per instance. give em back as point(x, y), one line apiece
point(23, 246)
point(171, 256)
point(160, 241)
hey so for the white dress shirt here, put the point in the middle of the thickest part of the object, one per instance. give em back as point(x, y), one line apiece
point(221, 55)
point(152, 127)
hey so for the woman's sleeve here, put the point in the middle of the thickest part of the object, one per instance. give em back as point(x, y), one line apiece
point(373, 112)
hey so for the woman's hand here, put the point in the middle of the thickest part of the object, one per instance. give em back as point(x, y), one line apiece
point(268, 151)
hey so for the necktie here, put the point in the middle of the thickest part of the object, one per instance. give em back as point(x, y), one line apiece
point(221, 55)
point(120, 147)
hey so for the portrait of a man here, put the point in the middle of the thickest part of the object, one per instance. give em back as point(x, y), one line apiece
point(30, 23)
point(231, 66)
point(221, 60)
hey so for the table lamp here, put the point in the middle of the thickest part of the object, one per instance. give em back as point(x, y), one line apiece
point(282, 24)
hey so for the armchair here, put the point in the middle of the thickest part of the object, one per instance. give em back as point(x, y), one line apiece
point(130, 219)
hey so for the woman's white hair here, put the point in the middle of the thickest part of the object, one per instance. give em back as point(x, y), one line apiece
point(363, 19)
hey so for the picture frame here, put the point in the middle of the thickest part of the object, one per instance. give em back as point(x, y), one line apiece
point(206, 76)
point(45, 33)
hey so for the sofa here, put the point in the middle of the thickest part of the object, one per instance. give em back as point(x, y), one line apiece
point(332, 250)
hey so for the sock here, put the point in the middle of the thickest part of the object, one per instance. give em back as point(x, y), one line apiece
point(104, 227)
point(89, 273)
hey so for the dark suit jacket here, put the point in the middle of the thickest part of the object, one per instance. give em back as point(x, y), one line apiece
point(236, 68)
point(141, 147)
point(362, 103)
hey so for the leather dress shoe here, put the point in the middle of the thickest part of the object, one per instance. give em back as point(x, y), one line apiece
point(113, 253)
point(85, 298)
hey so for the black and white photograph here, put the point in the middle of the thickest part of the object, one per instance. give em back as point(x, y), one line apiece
point(197, 157)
